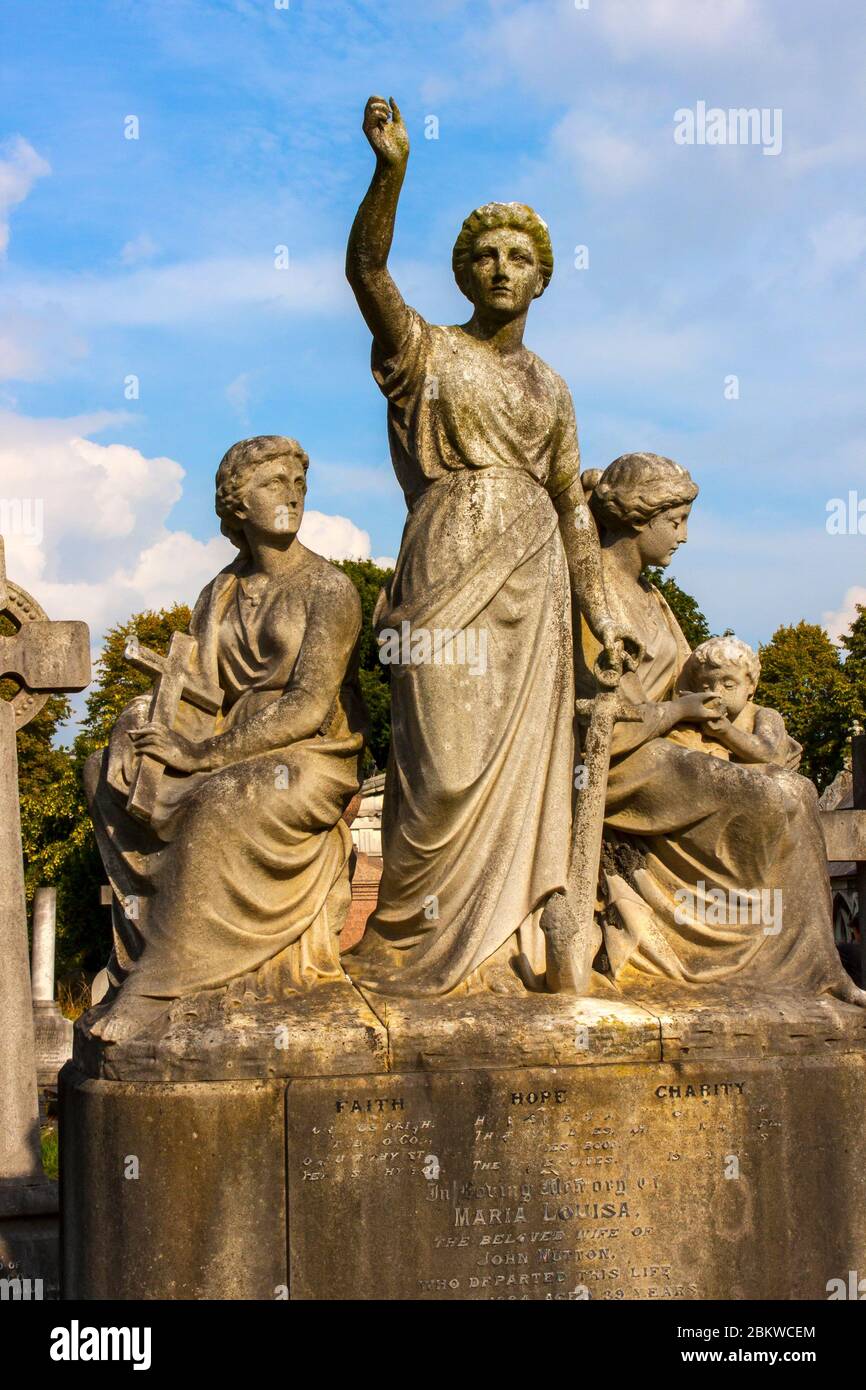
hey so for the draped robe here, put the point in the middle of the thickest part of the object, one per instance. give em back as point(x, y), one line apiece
point(478, 791)
point(711, 830)
point(248, 862)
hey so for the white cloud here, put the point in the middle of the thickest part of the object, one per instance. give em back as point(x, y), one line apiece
point(335, 537)
point(173, 570)
point(238, 397)
point(19, 170)
point(837, 623)
point(104, 547)
point(665, 26)
point(105, 498)
point(606, 157)
point(139, 248)
point(190, 290)
point(837, 244)
point(33, 344)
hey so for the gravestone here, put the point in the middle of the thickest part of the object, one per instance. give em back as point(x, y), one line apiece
point(43, 657)
point(53, 1032)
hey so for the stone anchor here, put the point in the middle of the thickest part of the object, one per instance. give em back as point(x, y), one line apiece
point(568, 921)
point(44, 657)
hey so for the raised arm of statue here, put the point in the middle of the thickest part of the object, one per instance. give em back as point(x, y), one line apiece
point(378, 297)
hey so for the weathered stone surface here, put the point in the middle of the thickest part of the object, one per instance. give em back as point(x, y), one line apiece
point(29, 1238)
point(172, 1191)
point(373, 1193)
point(736, 1022)
point(19, 1107)
point(697, 1181)
point(219, 804)
point(43, 656)
point(212, 1037)
point(497, 551)
point(52, 1035)
point(478, 1030)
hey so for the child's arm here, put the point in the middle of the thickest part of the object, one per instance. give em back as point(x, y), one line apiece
point(767, 744)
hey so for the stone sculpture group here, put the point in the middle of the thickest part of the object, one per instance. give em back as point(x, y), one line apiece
point(497, 798)
point(600, 973)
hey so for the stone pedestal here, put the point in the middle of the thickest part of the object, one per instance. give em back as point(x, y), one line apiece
point(524, 1147)
point(29, 1239)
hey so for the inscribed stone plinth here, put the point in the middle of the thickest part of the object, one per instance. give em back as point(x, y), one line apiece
point(674, 1147)
point(696, 1181)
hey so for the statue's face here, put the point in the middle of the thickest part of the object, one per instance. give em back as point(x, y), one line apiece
point(732, 683)
point(663, 535)
point(504, 274)
point(273, 498)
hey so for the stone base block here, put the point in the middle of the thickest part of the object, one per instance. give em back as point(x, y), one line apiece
point(668, 1148)
point(29, 1234)
point(329, 1031)
point(172, 1191)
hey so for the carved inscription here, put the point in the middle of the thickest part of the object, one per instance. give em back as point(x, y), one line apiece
point(619, 1182)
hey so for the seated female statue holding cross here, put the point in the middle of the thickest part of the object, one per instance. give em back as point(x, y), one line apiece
point(243, 859)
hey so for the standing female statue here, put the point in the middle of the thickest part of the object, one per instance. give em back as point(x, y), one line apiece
point(245, 858)
point(497, 542)
point(697, 842)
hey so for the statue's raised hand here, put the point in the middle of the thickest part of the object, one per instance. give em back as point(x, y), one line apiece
point(384, 128)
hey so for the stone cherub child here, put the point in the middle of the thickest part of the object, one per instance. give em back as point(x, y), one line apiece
point(243, 864)
point(743, 731)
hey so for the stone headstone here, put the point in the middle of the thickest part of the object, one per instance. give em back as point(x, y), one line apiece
point(53, 1032)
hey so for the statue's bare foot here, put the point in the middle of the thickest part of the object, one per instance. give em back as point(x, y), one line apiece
point(126, 1016)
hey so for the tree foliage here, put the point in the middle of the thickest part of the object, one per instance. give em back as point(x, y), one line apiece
point(115, 681)
point(375, 680)
point(685, 608)
point(804, 677)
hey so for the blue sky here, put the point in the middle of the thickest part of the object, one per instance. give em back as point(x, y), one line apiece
point(155, 258)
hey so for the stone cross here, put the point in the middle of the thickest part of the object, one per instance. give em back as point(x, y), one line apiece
point(175, 679)
point(45, 658)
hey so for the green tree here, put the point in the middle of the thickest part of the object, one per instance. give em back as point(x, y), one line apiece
point(804, 678)
point(375, 680)
point(854, 643)
point(685, 609)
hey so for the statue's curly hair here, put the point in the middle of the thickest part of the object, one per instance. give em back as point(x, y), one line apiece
point(635, 488)
point(234, 470)
point(484, 219)
point(720, 651)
